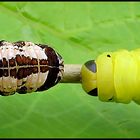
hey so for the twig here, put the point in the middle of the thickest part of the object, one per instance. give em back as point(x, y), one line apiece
point(71, 73)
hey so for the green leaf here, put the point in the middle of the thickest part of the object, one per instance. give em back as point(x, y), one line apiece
point(79, 31)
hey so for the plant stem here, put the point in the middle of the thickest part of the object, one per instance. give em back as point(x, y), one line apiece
point(71, 73)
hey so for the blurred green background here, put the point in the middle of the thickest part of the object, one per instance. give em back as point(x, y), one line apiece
point(79, 31)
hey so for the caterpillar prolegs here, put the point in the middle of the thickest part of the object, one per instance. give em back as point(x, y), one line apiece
point(113, 76)
point(26, 67)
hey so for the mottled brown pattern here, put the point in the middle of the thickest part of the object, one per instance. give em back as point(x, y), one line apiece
point(53, 77)
point(29, 71)
point(12, 62)
point(43, 62)
point(19, 43)
point(52, 57)
point(19, 60)
point(34, 61)
point(1, 72)
point(20, 66)
point(20, 73)
point(24, 60)
point(13, 72)
point(28, 60)
point(5, 72)
point(35, 70)
point(25, 72)
point(44, 69)
point(50, 81)
point(5, 62)
point(1, 42)
point(1, 65)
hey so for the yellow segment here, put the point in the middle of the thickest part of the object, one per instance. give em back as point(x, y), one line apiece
point(88, 79)
point(124, 75)
point(105, 80)
point(117, 76)
point(136, 94)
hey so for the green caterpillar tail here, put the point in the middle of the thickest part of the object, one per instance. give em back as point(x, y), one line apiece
point(113, 76)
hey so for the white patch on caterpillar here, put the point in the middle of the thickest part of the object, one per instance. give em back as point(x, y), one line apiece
point(42, 77)
point(9, 84)
point(31, 52)
point(10, 52)
point(32, 82)
point(35, 81)
point(40, 52)
point(4, 52)
point(26, 52)
point(28, 83)
point(19, 83)
point(16, 51)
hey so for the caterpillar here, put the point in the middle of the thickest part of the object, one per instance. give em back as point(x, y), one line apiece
point(113, 76)
point(27, 67)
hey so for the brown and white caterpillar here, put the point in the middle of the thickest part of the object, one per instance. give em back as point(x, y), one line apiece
point(26, 67)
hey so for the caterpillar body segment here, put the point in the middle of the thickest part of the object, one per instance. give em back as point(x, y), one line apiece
point(136, 56)
point(124, 76)
point(105, 76)
point(117, 76)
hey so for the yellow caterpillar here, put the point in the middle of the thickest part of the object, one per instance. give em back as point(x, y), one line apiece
point(113, 76)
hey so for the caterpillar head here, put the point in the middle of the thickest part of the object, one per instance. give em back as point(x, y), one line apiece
point(89, 76)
